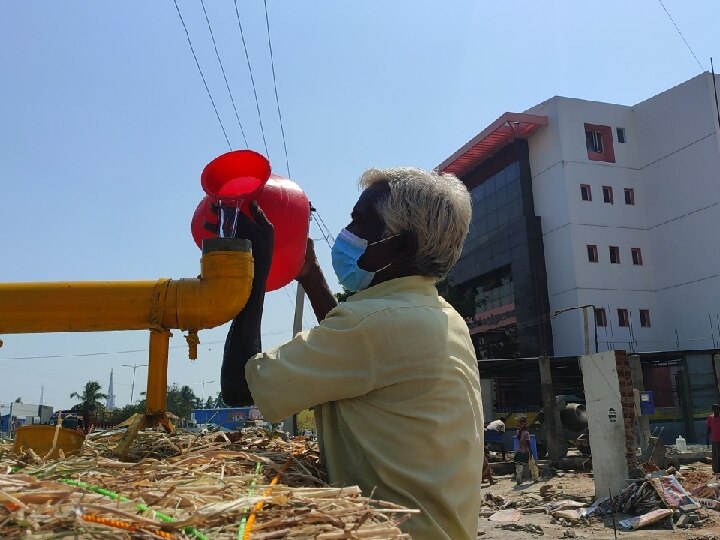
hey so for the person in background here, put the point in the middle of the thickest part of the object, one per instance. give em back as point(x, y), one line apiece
point(498, 426)
point(713, 436)
point(391, 372)
point(487, 473)
point(522, 454)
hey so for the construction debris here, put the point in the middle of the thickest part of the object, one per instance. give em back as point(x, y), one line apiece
point(506, 515)
point(532, 529)
point(647, 519)
point(187, 486)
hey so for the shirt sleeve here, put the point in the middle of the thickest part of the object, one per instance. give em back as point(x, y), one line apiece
point(333, 361)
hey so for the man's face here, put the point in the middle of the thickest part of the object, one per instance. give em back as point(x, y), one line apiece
point(366, 224)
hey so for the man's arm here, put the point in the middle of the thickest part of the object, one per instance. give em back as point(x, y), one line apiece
point(707, 435)
point(243, 340)
point(313, 282)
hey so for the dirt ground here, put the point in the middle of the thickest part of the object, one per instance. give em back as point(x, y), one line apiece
point(528, 498)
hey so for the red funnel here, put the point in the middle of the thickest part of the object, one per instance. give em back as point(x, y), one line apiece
point(235, 175)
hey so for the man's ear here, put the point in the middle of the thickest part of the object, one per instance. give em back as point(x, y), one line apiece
point(407, 247)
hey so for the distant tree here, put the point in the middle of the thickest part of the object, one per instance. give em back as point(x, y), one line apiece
point(89, 401)
point(344, 295)
point(181, 401)
point(219, 402)
point(209, 403)
point(122, 414)
point(18, 400)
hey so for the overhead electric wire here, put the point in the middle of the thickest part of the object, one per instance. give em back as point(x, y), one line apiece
point(129, 351)
point(681, 35)
point(277, 98)
point(202, 76)
point(222, 69)
point(324, 230)
point(252, 80)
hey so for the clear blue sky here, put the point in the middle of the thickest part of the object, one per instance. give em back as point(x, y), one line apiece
point(105, 127)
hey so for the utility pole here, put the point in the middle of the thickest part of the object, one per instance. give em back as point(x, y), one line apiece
point(202, 399)
point(290, 424)
point(556, 447)
point(586, 325)
point(132, 387)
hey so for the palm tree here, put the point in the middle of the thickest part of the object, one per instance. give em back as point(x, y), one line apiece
point(89, 401)
point(181, 401)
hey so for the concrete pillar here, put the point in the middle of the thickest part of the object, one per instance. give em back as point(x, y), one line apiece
point(604, 407)
point(556, 446)
point(643, 422)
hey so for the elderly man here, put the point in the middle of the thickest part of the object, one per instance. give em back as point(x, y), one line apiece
point(391, 372)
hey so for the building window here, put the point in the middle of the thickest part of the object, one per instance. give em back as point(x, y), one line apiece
point(599, 143)
point(585, 192)
point(636, 256)
point(629, 196)
point(621, 135)
point(593, 141)
point(600, 317)
point(645, 317)
point(607, 194)
point(614, 255)
point(623, 317)
point(592, 253)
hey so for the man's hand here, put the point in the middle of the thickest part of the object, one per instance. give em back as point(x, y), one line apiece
point(258, 230)
point(261, 233)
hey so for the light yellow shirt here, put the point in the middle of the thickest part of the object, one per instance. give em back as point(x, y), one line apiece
point(394, 380)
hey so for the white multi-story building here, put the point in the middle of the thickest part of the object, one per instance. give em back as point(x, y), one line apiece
point(582, 203)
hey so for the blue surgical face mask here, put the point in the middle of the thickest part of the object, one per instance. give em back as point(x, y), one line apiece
point(346, 253)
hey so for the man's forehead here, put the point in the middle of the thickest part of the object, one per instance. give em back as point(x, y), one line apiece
point(369, 196)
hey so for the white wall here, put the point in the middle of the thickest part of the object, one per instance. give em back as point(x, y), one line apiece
point(607, 438)
point(672, 161)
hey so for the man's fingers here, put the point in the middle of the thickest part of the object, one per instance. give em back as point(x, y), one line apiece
point(260, 217)
point(212, 227)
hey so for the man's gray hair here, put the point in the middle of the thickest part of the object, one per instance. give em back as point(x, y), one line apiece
point(434, 207)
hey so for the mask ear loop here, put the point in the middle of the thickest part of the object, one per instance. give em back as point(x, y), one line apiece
point(382, 240)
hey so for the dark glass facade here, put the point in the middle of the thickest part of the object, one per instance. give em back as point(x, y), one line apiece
point(503, 262)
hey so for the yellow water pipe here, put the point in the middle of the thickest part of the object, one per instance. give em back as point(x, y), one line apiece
point(210, 300)
point(215, 297)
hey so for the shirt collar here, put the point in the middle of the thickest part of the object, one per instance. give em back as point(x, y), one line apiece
point(417, 284)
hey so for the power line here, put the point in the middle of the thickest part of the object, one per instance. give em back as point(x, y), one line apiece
point(222, 68)
point(129, 351)
point(277, 98)
point(202, 76)
point(252, 80)
point(681, 35)
point(327, 236)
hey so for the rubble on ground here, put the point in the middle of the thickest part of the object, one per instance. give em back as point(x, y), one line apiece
point(532, 529)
